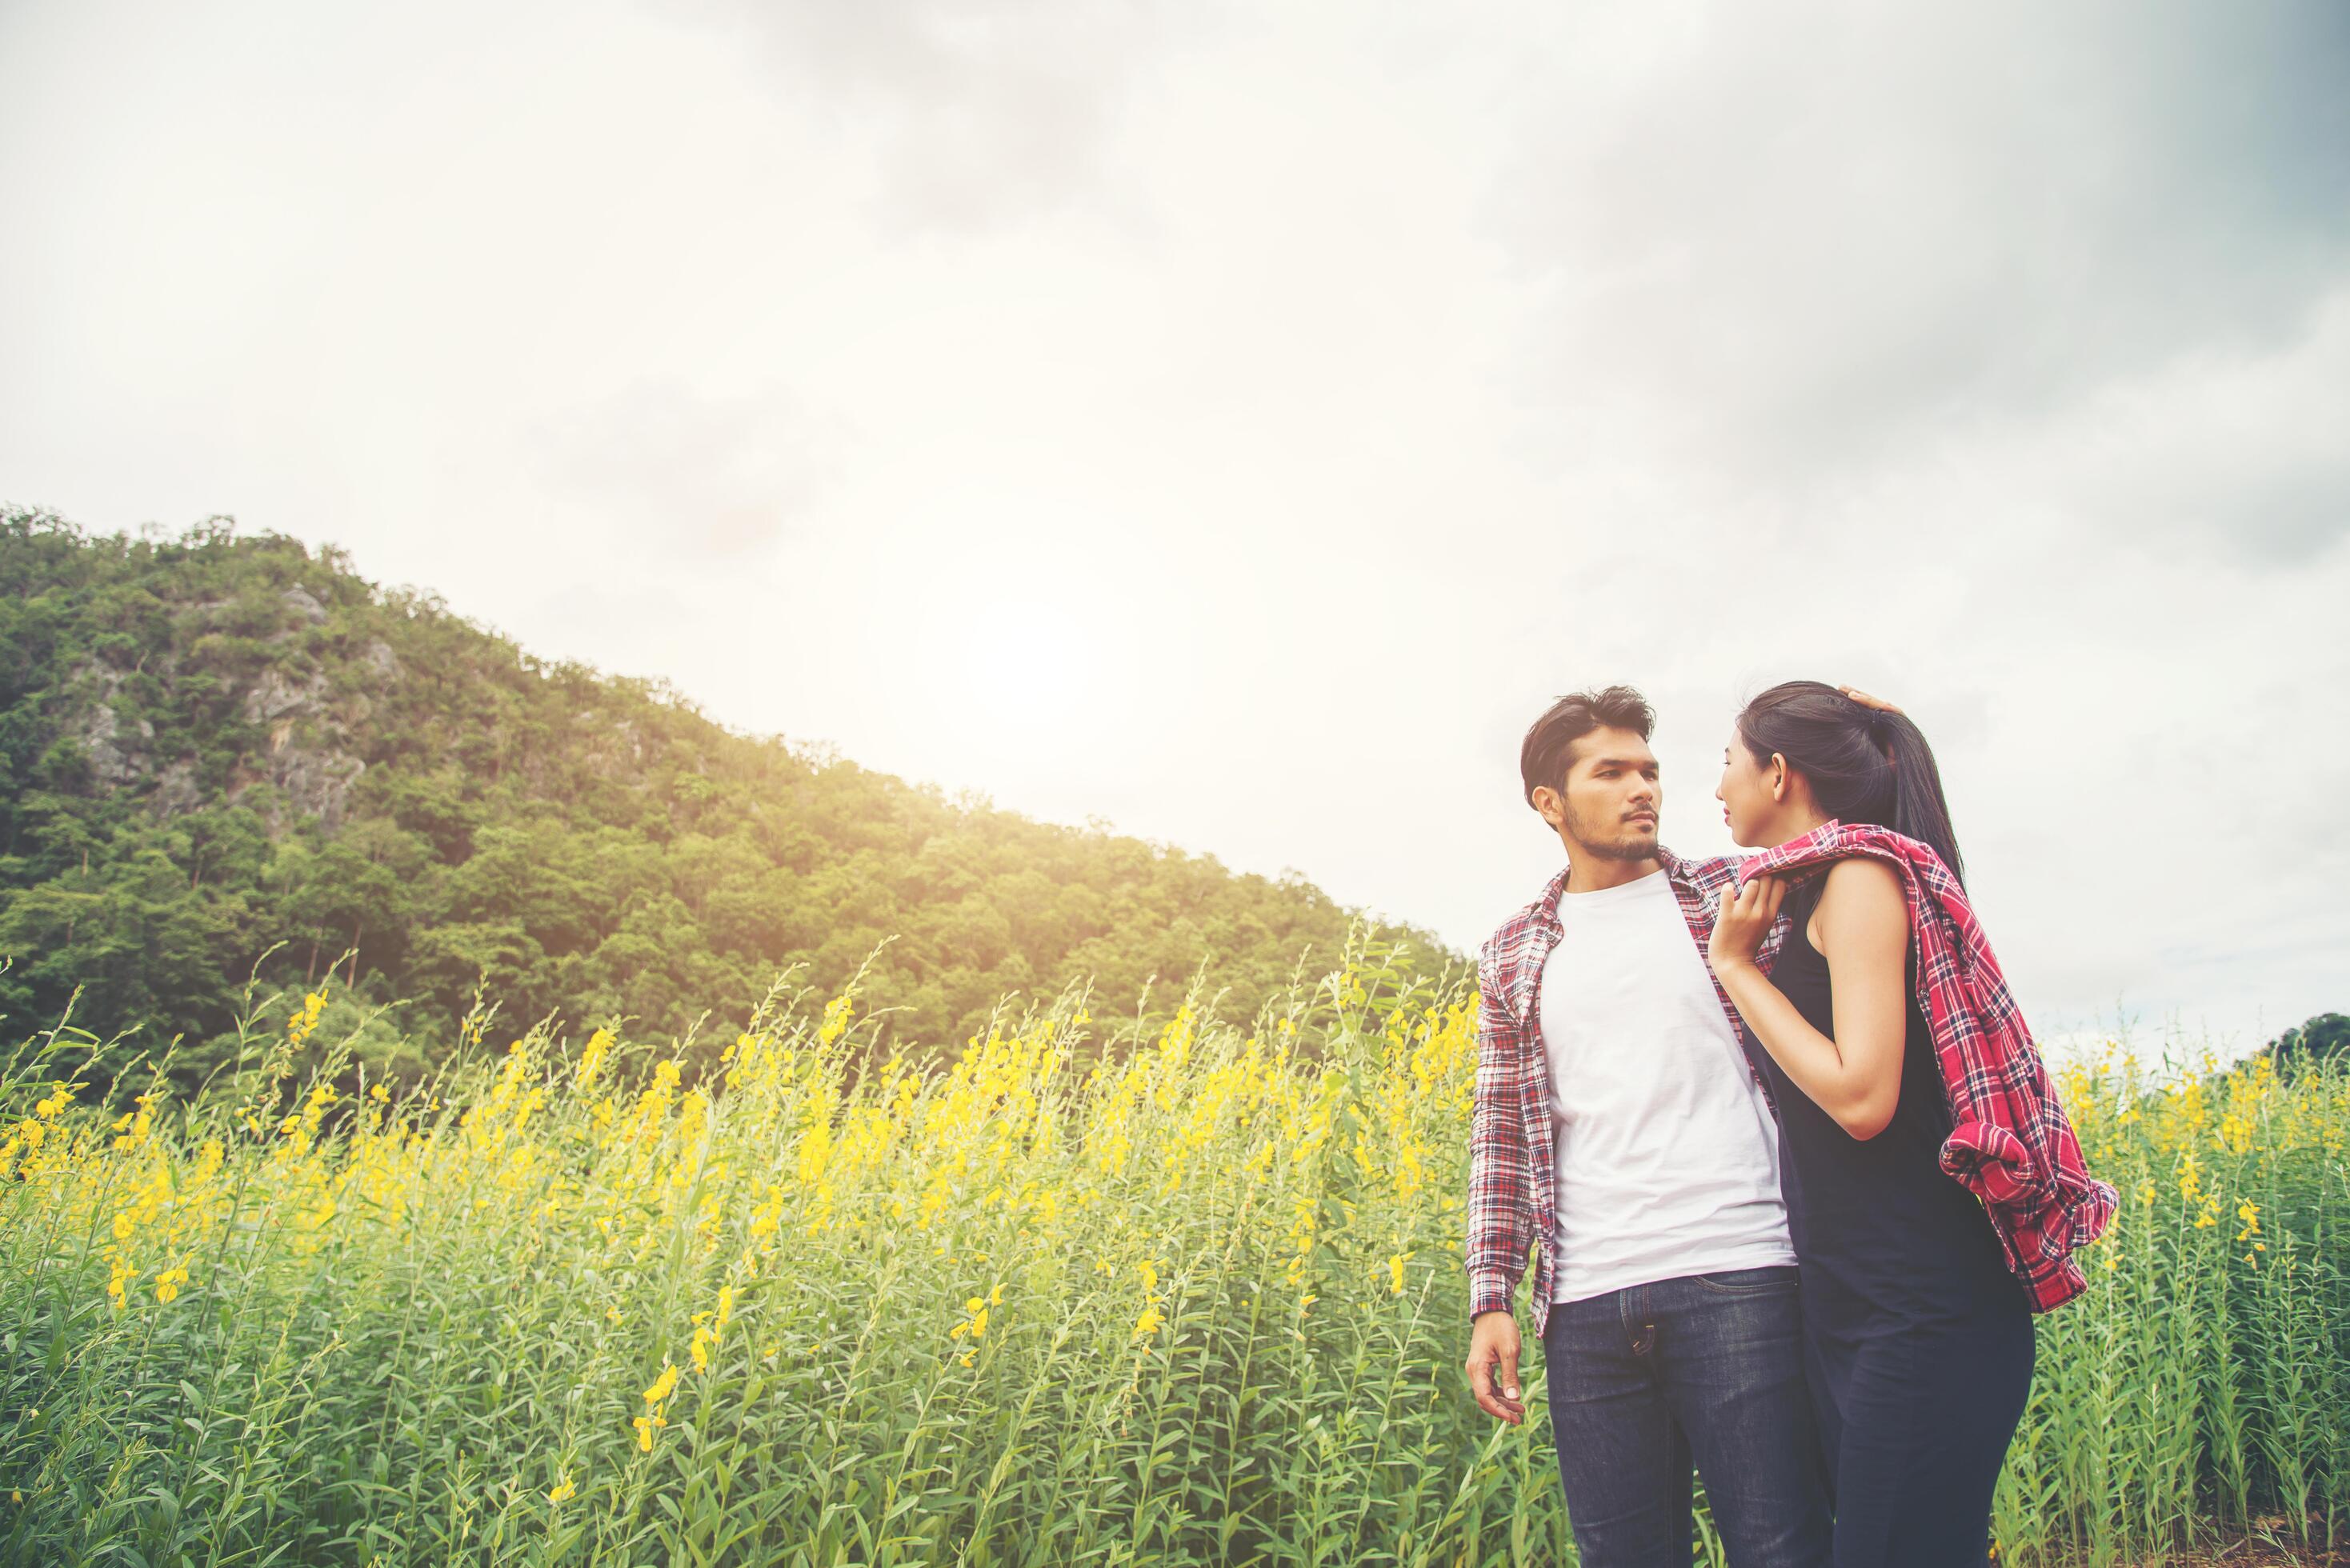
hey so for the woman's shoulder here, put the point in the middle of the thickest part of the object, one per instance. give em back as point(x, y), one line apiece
point(1861, 891)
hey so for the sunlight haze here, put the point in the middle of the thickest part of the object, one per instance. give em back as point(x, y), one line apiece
point(1237, 423)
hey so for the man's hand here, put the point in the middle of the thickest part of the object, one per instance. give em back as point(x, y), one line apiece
point(1744, 921)
point(1866, 700)
point(1494, 1337)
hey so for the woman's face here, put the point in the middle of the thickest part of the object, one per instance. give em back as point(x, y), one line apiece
point(1745, 792)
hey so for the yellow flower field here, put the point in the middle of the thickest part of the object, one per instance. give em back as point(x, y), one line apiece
point(1076, 1292)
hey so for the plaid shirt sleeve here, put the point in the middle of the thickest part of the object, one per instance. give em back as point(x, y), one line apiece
point(2017, 1152)
point(1501, 1181)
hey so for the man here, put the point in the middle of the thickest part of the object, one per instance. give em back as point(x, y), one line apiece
point(1621, 1129)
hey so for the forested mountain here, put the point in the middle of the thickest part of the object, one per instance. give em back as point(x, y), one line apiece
point(212, 744)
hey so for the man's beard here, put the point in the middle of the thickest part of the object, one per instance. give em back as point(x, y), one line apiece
point(1616, 848)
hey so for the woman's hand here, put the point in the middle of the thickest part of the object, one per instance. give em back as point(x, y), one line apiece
point(1743, 920)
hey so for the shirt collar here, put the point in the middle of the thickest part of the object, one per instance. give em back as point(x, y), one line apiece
point(1545, 909)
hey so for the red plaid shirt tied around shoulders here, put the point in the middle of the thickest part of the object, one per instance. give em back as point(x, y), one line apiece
point(1512, 1191)
point(2010, 1144)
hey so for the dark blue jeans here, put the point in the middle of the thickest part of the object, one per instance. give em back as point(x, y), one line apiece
point(1707, 1368)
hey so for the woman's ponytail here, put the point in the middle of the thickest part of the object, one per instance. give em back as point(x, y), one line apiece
point(1919, 809)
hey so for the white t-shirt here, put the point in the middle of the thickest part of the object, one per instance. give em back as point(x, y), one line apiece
point(1668, 1155)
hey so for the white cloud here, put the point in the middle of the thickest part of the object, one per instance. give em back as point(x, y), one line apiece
point(719, 477)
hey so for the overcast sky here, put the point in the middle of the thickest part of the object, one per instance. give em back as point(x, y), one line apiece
point(1238, 423)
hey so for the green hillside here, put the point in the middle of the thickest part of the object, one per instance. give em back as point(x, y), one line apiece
point(210, 744)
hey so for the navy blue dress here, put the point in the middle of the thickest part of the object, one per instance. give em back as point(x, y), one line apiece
point(1919, 1341)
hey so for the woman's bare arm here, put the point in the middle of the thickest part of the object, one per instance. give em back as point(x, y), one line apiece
point(1864, 925)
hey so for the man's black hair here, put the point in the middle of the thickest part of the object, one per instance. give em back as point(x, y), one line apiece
point(1548, 750)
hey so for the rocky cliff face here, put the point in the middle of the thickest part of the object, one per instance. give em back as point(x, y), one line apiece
point(302, 742)
point(117, 753)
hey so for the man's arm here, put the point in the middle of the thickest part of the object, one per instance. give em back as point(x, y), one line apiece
point(1500, 1179)
point(1501, 1209)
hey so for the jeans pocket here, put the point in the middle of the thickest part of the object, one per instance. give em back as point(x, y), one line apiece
point(1750, 1281)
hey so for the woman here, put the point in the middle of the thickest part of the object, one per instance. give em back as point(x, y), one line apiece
point(1920, 1337)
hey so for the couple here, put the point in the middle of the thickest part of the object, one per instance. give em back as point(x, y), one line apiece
point(1803, 1255)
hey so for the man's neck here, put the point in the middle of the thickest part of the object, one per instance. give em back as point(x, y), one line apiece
point(1589, 873)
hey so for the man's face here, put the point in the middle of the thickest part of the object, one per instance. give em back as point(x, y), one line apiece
point(1609, 805)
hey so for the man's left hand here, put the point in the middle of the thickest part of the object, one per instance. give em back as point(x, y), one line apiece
point(1866, 700)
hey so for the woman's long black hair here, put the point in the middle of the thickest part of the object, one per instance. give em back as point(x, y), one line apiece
point(1864, 765)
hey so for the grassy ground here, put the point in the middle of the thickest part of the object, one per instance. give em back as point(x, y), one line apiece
point(1194, 1297)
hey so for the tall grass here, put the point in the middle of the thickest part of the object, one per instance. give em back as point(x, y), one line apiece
point(1081, 1295)
point(2204, 1379)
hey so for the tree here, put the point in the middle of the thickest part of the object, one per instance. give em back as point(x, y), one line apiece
point(210, 744)
point(2324, 1038)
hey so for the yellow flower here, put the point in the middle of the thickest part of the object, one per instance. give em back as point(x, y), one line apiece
point(1395, 1272)
point(306, 1017)
point(591, 1060)
point(564, 1491)
point(663, 1384)
point(1149, 1323)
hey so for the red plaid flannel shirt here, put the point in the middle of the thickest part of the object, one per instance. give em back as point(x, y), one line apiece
point(1512, 1193)
point(2010, 1144)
